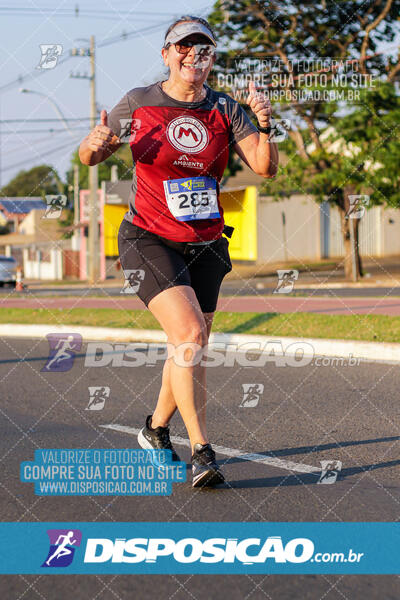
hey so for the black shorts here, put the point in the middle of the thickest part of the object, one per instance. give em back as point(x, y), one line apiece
point(202, 267)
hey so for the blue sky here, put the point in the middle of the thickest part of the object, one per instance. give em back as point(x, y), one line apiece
point(120, 67)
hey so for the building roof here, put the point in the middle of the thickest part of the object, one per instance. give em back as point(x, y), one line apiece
point(22, 205)
point(117, 192)
point(19, 240)
point(242, 179)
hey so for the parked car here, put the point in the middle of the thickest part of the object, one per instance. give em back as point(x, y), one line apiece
point(8, 270)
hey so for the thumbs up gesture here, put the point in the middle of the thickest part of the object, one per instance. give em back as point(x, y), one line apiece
point(102, 137)
point(260, 105)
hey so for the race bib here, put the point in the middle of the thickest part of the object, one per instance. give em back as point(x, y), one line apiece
point(192, 198)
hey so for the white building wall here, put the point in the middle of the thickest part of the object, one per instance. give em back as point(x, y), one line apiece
point(298, 239)
point(390, 231)
point(308, 222)
point(39, 269)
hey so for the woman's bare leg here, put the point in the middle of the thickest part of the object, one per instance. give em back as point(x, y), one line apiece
point(166, 405)
point(179, 314)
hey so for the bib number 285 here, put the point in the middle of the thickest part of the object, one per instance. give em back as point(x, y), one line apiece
point(193, 199)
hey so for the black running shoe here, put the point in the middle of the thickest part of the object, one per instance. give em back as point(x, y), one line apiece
point(156, 439)
point(205, 470)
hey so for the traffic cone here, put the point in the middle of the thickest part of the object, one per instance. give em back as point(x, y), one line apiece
point(19, 286)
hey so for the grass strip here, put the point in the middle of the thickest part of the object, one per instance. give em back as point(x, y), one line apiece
point(377, 328)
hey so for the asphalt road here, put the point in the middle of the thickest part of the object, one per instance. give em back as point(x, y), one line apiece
point(330, 304)
point(245, 287)
point(305, 415)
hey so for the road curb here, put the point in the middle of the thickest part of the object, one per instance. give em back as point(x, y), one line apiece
point(372, 351)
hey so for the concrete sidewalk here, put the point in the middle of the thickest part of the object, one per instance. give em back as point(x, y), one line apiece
point(379, 272)
point(296, 350)
point(261, 304)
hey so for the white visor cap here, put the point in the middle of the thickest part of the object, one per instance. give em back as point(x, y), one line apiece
point(185, 28)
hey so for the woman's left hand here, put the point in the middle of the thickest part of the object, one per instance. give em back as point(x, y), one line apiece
point(260, 105)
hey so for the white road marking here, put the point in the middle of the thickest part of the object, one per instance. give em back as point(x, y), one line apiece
point(287, 465)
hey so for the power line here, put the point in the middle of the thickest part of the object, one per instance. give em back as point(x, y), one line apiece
point(106, 42)
point(35, 72)
point(51, 151)
point(111, 17)
point(43, 120)
point(81, 12)
point(24, 145)
point(126, 35)
point(26, 131)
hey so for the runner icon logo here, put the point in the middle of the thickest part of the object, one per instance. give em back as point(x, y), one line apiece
point(358, 202)
point(133, 279)
point(63, 543)
point(62, 351)
point(286, 280)
point(55, 204)
point(187, 134)
point(279, 130)
point(330, 470)
point(129, 128)
point(97, 397)
point(50, 55)
point(251, 394)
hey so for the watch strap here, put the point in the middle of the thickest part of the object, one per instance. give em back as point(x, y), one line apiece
point(266, 130)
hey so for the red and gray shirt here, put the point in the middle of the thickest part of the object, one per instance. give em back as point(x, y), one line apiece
point(171, 140)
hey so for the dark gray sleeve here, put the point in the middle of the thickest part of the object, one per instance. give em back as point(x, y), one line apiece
point(241, 126)
point(119, 115)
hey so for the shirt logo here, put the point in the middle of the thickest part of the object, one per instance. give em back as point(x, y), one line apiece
point(187, 134)
point(184, 161)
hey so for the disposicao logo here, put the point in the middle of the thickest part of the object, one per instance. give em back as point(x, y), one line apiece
point(191, 550)
point(62, 547)
point(63, 347)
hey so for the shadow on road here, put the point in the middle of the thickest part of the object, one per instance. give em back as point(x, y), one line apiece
point(320, 448)
point(294, 479)
point(304, 479)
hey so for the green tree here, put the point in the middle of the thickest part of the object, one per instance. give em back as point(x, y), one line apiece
point(327, 29)
point(38, 181)
point(122, 158)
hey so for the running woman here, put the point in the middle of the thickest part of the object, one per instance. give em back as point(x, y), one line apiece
point(180, 134)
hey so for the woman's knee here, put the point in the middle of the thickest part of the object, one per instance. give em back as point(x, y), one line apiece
point(193, 331)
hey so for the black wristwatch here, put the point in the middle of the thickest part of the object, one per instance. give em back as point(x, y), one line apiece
point(266, 130)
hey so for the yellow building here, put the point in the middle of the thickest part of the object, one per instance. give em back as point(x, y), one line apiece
point(240, 211)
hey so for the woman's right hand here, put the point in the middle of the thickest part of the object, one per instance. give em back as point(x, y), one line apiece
point(102, 137)
point(99, 144)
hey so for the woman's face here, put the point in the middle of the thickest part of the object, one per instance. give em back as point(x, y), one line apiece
point(194, 66)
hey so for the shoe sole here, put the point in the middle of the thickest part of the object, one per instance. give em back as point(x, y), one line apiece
point(208, 478)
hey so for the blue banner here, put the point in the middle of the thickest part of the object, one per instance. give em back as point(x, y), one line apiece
point(102, 472)
point(210, 548)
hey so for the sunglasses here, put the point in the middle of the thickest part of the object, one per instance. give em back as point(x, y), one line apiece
point(185, 46)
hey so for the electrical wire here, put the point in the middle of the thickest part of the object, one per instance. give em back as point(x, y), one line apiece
point(51, 151)
point(43, 120)
point(29, 131)
point(29, 11)
point(106, 42)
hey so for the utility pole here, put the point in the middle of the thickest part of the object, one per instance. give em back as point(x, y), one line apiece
point(353, 251)
point(94, 246)
point(76, 237)
point(1, 149)
point(93, 241)
point(285, 256)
